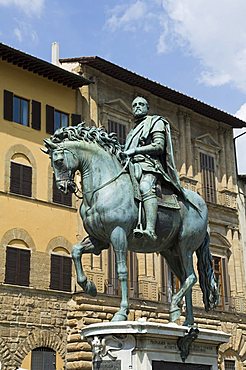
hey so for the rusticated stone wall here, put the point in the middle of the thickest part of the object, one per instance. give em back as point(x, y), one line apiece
point(30, 319)
point(83, 311)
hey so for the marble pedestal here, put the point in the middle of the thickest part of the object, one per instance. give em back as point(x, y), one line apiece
point(140, 345)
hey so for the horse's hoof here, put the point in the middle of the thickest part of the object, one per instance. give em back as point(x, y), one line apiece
point(119, 317)
point(175, 314)
point(91, 288)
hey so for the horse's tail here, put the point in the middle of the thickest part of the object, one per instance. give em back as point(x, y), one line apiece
point(207, 278)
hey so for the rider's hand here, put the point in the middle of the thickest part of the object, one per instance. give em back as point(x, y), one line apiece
point(129, 152)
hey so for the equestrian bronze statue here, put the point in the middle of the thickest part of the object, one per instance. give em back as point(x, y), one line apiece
point(114, 209)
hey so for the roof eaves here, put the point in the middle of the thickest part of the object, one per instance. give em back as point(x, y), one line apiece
point(156, 88)
point(41, 67)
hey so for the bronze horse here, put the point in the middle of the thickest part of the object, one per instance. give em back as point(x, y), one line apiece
point(110, 213)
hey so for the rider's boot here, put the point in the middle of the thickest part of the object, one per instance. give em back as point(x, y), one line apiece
point(150, 207)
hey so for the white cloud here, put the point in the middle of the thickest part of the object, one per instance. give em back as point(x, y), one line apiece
point(29, 7)
point(18, 34)
point(24, 31)
point(215, 33)
point(241, 113)
point(124, 16)
point(134, 15)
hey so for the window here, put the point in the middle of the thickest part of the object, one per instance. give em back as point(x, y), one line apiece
point(17, 109)
point(17, 269)
point(59, 197)
point(55, 119)
point(21, 111)
point(119, 129)
point(208, 177)
point(61, 271)
point(20, 179)
point(43, 359)
point(220, 271)
point(229, 364)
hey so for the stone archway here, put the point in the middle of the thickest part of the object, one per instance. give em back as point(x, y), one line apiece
point(5, 356)
point(40, 338)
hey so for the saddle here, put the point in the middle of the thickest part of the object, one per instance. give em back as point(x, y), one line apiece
point(166, 197)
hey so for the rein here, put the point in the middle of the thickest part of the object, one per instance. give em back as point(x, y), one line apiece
point(94, 190)
point(107, 182)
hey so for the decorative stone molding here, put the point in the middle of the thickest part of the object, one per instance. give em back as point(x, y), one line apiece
point(5, 356)
point(188, 183)
point(20, 149)
point(20, 234)
point(59, 241)
point(228, 198)
point(236, 347)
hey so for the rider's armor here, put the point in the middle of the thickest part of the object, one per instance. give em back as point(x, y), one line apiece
point(153, 159)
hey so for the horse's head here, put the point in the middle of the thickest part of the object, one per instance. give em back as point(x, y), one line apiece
point(64, 162)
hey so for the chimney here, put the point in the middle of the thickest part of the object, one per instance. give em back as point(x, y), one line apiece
point(55, 53)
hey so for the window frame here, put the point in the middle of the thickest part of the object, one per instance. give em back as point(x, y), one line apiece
point(39, 358)
point(18, 115)
point(17, 259)
point(20, 179)
point(224, 292)
point(208, 176)
point(57, 275)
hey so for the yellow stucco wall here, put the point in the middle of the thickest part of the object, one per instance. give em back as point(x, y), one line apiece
point(36, 213)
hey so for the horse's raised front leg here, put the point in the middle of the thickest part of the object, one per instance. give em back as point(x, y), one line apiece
point(119, 243)
point(87, 245)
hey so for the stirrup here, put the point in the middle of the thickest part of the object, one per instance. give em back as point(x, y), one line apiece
point(138, 232)
point(149, 234)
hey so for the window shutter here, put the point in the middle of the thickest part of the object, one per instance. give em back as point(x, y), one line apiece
point(50, 112)
point(21, 179)
point(55, 272)
point(15, 175)
point(11, 265)
point(27, 181)
point(67, 273)
point(8, 105)
point(17, 266)
point(76, 118)
point(36, 115)
point(24, 271)
point(61, 270)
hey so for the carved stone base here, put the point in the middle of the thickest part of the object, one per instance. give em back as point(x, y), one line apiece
point(140, 345)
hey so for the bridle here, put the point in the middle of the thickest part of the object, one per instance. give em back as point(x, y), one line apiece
point(73, 187)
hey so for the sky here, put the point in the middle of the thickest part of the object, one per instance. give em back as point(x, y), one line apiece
point(197, 47)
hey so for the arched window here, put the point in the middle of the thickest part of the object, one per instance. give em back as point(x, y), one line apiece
point(17, 268)
point(20, 175)
point(43, 358)
point(60, 270)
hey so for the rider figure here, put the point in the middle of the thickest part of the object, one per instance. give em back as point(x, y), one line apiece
point(150, 148)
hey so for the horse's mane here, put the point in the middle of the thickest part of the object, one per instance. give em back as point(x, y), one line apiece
point(107, 141)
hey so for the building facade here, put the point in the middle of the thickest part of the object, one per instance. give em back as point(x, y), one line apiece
point(41, 308)
point(38, 225)
point(204, 153)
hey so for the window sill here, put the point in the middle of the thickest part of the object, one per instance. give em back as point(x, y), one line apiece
point(35, 200)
